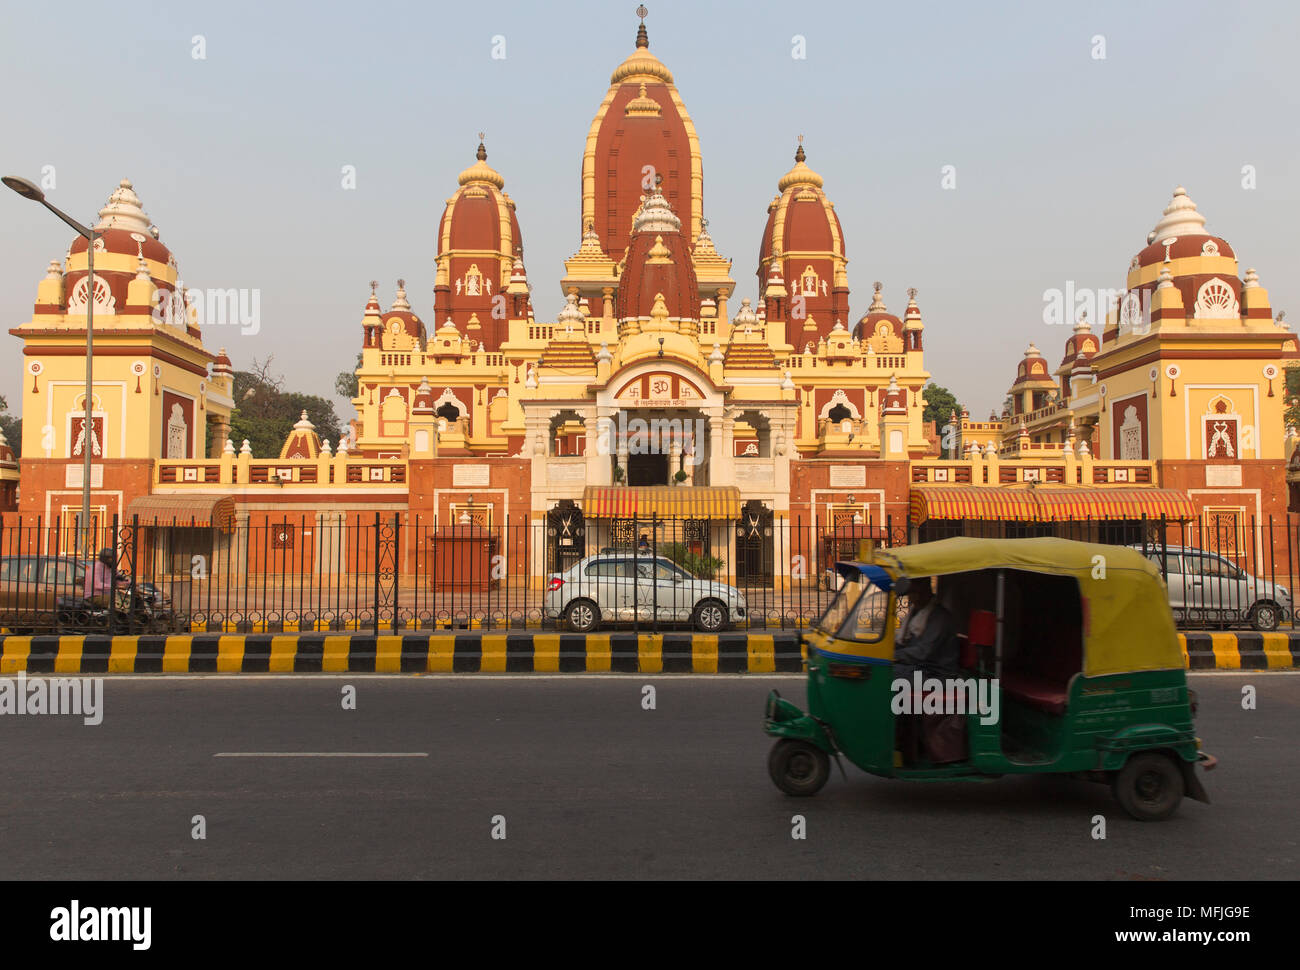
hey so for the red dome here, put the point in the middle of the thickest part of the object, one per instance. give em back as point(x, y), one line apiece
point(658, 262)
point(1185, 246)
point(801, 221)
point(478, 241)
point(648, 274)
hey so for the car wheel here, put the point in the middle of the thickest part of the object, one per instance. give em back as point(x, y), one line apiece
point(1264, 617)
point(710, 616)
point(582, 616)
point(1149, 787)
point(798, 767)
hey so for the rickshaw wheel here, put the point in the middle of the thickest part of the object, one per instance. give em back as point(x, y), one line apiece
point(798, 767)
point(1149, 787)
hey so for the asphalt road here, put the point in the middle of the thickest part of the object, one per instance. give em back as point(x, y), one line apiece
point(590, 785)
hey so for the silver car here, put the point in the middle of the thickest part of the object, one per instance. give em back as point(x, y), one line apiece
point(618, 587)
point(1209, 588)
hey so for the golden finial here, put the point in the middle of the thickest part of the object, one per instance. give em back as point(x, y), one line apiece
point(799, 156)
point(374, 287)
point(642, 38)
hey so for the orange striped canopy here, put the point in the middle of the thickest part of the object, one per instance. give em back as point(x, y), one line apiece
point(715, 502)
point(1047, 504)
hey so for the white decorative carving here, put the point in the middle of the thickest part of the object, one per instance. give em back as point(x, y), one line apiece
point(1130, 436)
point(177, 431)
point(105, 302)
point(839, 397)
point(1216, 301)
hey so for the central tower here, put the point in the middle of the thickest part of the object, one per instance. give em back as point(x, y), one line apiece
point(641, 139)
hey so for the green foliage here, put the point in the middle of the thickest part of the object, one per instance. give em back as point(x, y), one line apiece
point(345, 385)
point(265, 413)
point(702, 566)
point(12, 428)
point(939, 405)
point(680, 476)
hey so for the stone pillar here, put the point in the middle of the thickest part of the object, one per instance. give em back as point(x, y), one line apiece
point(239, 546)
point(714, 471)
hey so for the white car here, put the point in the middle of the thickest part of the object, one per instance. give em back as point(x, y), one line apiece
point(620, 587)
point(1205, 587)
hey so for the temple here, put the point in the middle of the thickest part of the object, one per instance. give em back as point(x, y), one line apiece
point(660, 392)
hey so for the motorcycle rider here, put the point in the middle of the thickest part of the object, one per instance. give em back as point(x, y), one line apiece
point(99, 578)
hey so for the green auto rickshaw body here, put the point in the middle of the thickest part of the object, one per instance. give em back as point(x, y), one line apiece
point(1083, 658)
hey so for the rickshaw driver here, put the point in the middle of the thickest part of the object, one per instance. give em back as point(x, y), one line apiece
point(927, 639)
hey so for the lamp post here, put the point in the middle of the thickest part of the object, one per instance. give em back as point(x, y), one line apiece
point(29, 190)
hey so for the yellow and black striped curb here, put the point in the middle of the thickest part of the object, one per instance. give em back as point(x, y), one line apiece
point(521, 651)
point(507, 652)
point(1241, 651)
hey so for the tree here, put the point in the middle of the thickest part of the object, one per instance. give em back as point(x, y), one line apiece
point(12, 428)
point(939, 405)
point(345, 385)
point(265, 412)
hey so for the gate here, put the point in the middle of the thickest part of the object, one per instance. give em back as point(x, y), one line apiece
point(565, 536)
point(754, 544)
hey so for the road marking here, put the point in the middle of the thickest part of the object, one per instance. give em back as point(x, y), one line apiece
point(321, 754)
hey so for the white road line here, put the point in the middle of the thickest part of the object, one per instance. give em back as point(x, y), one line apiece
point(321, 754)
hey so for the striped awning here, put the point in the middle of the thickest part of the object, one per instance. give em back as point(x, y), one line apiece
point(972, 502)
point(1113, 504)
point(715, 502)
point(990, 503)
point(193, 509)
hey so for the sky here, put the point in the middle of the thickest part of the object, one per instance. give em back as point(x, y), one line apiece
point(1065, 127)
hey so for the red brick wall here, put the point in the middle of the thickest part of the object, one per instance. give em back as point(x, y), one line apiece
point(809, 476)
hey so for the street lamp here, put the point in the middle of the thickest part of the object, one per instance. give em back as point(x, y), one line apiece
point(29, 190)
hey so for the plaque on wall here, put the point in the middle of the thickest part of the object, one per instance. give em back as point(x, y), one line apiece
point(74, 475)
point(1222, 476)
point(566, 473)
point(848, 476)
point(755, 474)
point(469, 476)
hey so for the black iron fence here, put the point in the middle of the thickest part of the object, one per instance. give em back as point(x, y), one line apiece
point(392, 572)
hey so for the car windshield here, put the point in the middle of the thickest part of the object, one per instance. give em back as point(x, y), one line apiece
point(859, 611)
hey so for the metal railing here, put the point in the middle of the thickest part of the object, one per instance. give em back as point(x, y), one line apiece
point(403, 572)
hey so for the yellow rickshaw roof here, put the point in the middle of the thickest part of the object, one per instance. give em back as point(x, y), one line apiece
point(1128, 626)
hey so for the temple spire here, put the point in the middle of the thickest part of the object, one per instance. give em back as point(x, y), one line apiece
point(642, 38)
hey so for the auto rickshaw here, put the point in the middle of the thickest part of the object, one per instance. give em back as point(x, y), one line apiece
point(1068, 662)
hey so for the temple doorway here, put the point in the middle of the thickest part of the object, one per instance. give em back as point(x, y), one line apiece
point(647, 469)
